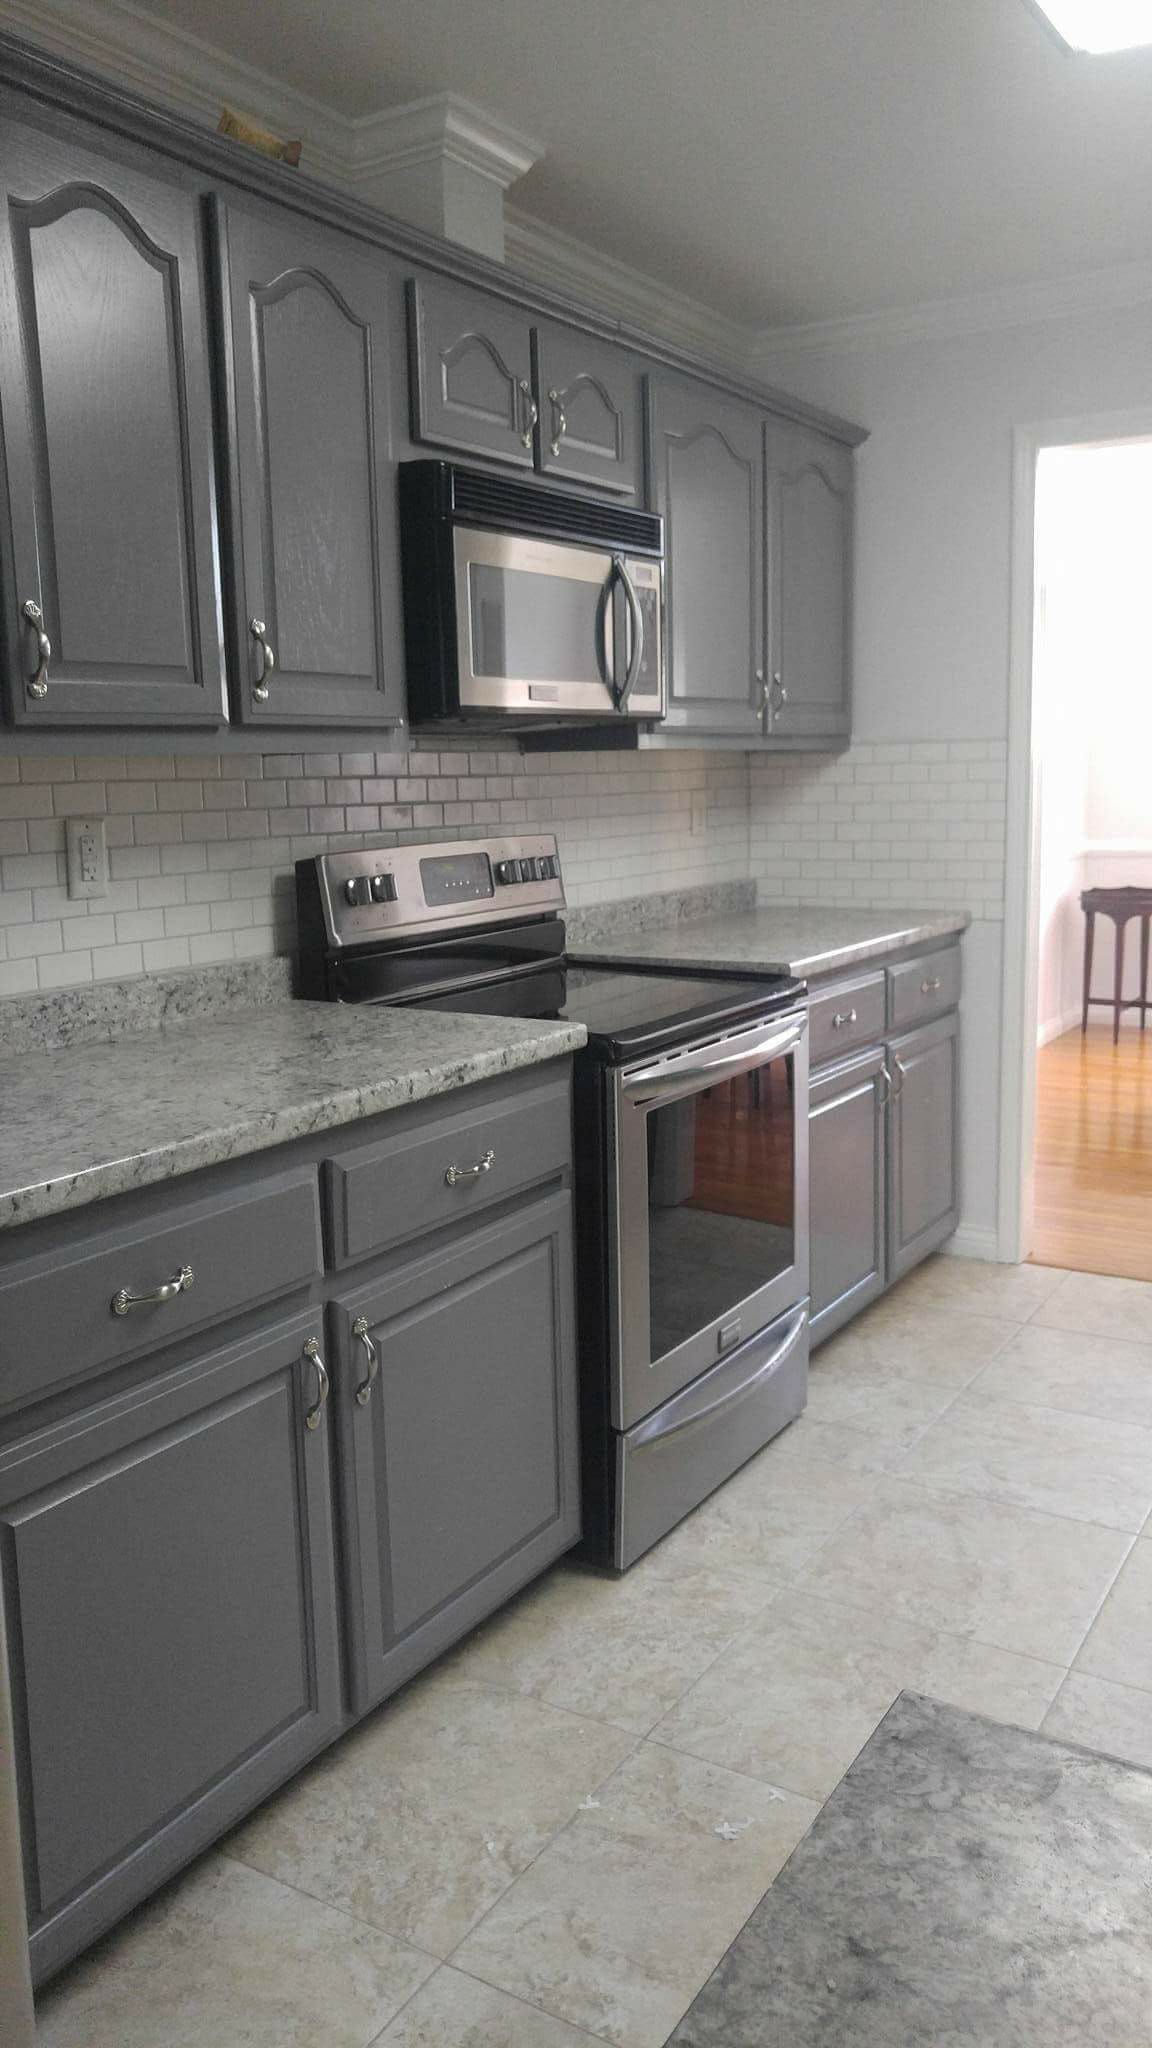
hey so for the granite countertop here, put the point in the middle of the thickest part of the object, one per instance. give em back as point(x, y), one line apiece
point(84, 1121)
point(802, 942)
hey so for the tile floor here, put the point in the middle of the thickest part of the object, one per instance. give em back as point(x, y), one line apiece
point(526, 1849)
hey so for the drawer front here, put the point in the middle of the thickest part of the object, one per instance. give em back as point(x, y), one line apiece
point(921, 989)
point(850, 1015)
point(57, 1320)
point(445, 1170)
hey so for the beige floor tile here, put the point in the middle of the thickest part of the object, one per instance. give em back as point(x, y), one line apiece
point(893, 1372)
point(1116, 1719)
point(1119, 1643)
point(625, 1648)
point(1038, 1457)
point(1099, 1306)
point(626, 1913)
point(983, 1285)
point(423, 1815)
point(455, 2011)
point(972, 1567)
point(1065, 1369)
point(231, 1959)
point(796, 1697)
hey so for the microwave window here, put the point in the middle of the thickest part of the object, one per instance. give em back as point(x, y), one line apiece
point(534, 628)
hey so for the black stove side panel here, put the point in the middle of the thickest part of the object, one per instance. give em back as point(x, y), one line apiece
point(594, 1165)
point(311, 936)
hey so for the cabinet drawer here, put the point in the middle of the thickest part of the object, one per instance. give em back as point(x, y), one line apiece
point(444, 1170)
point(923, 988)
point(847, 1016)
point(243, 1248)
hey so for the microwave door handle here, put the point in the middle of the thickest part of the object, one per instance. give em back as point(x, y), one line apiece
point(636, 614)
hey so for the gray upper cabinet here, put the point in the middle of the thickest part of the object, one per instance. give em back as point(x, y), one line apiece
point(588, 395)
point(923, 1196)
point(314, 601)
point(471, 372)
point(107, 433)
point(456, 1408)
point(168, 1566)
point(706, 477)
point(808, 482)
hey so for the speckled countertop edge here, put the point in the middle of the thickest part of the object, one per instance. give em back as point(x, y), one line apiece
point(805, 942)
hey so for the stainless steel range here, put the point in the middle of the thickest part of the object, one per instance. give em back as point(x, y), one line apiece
point(691, 1156)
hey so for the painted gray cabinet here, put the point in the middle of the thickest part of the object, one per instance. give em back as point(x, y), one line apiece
point(313, 544)
point(110, 556)
point(471, 372)
point(923, 1198)
point(706, 477)
point(808, 495)
point(588, 395)
point(169, 1574)
point(456, 1404)
point(847, 1182)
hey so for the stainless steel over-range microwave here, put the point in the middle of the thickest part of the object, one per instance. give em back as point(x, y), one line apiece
point(524, 606)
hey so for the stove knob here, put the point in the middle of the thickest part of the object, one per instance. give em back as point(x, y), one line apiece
point(383, 889)
point(546, 868)
point(506, 871)
point(357, 890)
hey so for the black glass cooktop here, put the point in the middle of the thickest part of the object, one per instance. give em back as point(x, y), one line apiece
point(629, 1013)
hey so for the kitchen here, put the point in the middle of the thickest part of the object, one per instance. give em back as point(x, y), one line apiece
point(498, 702)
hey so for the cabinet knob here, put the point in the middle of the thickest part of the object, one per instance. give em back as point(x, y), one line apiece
point(38, 683)
point(259, 633)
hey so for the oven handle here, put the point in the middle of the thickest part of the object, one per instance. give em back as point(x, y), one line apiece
point(667, 1422)
point(685, 1072)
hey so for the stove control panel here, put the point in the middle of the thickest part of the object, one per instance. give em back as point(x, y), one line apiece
point(378, 893)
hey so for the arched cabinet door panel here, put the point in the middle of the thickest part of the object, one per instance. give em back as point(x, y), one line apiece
point(809, 498)
point(471, 372)
point(589, 398)
point(111, 559)
point(314, 607)
point(707, 478)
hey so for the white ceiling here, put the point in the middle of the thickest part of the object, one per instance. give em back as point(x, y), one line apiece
point(784, 161)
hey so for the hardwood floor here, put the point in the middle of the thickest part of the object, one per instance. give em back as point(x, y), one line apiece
point(1094, 1153)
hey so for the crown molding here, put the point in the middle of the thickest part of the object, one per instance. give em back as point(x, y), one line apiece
point(1090, 292)
point(443, 125)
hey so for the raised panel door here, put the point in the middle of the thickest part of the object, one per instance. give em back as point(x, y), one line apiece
point(923, 1193)
point(846, 1180)
point(107, 430)
point(809, 510)
point(589, 430)
point(471, 372)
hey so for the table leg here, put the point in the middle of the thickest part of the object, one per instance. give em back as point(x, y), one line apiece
point(1089, 935)
point(1118, 978)
point(1144, 923)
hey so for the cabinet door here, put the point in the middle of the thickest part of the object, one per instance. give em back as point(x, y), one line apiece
point(589, 398)
point(471, 372)
point(846, 1170)
point(313, 485)
point(460, 1465)
point(809, 501)
point(706, 455)
point(107, 430)
point(923, 1195)
point(169, 1576)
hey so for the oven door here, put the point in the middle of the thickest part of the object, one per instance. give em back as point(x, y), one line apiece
point(545, 627)
point(709, 1200)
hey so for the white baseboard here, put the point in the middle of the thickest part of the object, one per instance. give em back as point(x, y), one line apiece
point(968, 1243)
point(1057, 1026)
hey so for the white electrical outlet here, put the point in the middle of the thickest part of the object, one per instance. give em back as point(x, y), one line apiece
point(699, 814)
point(87, 857)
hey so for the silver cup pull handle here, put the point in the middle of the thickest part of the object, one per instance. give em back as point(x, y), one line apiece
point(259, 632)
point(372, 1358)
point(323, 1383)
point(123, 1301)
point(456, 1174)
point(38, 683)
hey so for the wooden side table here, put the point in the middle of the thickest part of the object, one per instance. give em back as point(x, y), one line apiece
point(1120, 905)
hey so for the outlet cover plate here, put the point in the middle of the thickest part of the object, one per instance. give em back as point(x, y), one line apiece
point(87, 857)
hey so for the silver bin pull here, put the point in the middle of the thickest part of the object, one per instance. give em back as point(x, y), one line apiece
point(123, 1301)
point(456, 1174)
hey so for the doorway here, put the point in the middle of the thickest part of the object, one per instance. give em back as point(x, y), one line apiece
point(1085, 1159)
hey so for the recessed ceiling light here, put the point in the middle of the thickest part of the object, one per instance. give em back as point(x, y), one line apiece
point(1093, 27)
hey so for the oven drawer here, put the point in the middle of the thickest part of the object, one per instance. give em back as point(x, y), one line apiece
point(842, 1018)
point(240, 1249)
point(443, 1170)
point(921, 989)
point(671, 1461)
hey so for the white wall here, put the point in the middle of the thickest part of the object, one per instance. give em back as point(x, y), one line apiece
point(933, 572)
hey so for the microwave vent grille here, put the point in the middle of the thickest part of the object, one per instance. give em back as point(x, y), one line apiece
point(527, 508)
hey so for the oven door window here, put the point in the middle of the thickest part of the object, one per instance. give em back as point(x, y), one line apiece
point(721, 1199)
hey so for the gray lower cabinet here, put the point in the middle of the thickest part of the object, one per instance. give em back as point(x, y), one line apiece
point(923, 1202)
point(456, 1405)
point(111, 588)
point(705, 454)
point(847, 1168)
point(808, 487)
point(470, 372)
point(314, 599)
point(172, 1608)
